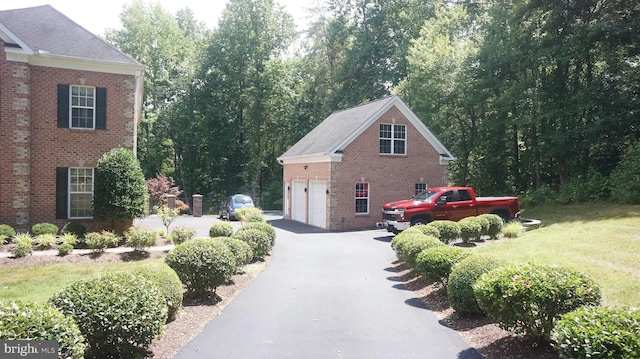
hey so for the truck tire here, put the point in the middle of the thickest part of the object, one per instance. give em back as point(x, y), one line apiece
point(420, 220)
point(504, 214)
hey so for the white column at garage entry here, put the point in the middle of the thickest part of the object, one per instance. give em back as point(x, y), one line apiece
point(318, 204)
point(298, 201)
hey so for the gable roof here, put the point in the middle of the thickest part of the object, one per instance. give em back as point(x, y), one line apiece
point(42, 33)
point(327, 140)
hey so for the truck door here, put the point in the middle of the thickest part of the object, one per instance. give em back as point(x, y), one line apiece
point(442, 211)
point(461, 206)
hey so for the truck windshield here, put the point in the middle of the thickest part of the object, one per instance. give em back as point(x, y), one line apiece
point(425, 196)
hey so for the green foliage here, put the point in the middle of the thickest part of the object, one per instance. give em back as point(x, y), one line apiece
point(494, 225)
point(259, 241)
point(435, 263)
point(398, 241)
point(23, 245)
point(598, 333)
point(68, 238)
point(168, 284)
point(449, 230)
point(470, 229)
point(461, 280)
point(141, 238)
point(428, 229)
point(36, 321)
point(265, 227)
point(44, 228)
point(625, 179)
point(99, 241)
point(528, 299)
point(65, 248)
point(512, 229)
point(250, 215)
point(120, 191)
point(202, 264)
point(6, 232)
point(167, 215)
point(119, 314)
point(241, 250)
point(221, 229)
point(181, 234)
point(415, 245)
point(75, 228)
point(46, 240)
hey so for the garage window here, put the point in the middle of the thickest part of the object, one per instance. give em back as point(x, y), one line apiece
point(362, 198)
point(393, 139)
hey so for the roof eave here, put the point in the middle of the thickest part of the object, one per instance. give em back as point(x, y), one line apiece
point(310, 158)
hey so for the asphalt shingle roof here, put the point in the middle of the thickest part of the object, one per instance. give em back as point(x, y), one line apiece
point(45, 30)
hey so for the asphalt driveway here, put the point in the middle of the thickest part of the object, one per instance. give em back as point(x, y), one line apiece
point(327, 295)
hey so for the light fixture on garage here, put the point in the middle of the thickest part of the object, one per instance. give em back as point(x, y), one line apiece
point(305, 167)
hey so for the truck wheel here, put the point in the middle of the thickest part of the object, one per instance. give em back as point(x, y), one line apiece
point(419, 221)
point(504, 214)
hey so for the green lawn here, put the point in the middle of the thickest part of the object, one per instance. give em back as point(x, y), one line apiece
point(599, 239)
point(40, 282)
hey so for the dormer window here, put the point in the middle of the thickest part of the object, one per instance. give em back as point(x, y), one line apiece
point(393, 139)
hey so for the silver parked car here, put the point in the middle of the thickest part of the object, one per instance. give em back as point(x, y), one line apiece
point(229, 207)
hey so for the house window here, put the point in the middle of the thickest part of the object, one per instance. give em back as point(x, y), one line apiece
point(393, 139)
point(82, 107)
point(362, 198)
point(80, 192)
point(420, 187)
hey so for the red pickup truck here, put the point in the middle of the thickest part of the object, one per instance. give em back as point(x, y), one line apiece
point(445, 203)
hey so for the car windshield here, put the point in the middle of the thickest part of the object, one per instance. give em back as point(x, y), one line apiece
point(242, 200)
point(425, 196)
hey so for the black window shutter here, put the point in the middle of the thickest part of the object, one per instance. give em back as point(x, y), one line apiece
point(101, 108)
point(62, 178)
point(63, 106)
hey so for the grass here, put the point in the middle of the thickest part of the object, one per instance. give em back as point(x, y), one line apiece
point(599, 239)
point(39, 282)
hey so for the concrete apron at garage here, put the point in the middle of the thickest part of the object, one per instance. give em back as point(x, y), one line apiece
point(327, 295)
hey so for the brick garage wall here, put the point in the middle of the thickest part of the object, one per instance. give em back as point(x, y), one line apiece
point(319, 171)
point(390, 177)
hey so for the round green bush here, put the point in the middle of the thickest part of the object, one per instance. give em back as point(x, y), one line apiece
point(36, 321)
point(44, 228)
point(23, 245)
point(75, 228)
point(449, 230)
point(221, 229)
point(435, 263)
point(241, 250)
point(263, 226)
point(119, 314)
point(527, 299)
point(65, 248)
point(181, 234)
point(166, 282)
point(6, 232)
point(470, 228)
point(428, 229)
point(98, 242)
point(141, 238)
point(250, 215)
point(461, 280)
point(400, 239)
point(258, 240)
point(413, 246)
point(598, 333)
point(202, 264)
point(495, 225)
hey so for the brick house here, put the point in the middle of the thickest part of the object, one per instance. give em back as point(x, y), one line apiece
point(341, 173)
point(66, 98)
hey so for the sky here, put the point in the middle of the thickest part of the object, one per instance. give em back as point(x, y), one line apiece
point(96, 16)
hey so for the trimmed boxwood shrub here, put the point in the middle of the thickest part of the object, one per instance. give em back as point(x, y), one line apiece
point(119, 314)
point(495, 225)
point(98, 242)
point(221, 229)
point(241, 250)
point(527, 299)
point(202, 264)
point(435, 263)
point(44, 228)
point(141, 238)
point(598, 333)
point(399, 240)
point(262, 226)
point(167, 283)
point(6, 232)
point(258, 240)
point(414, 245)
point(181, 234)
point(37, 321)
point(65, 248)
point(461, 280)
point(75, 228)
point(428, 229)
point(449, 230)
point(470, 228)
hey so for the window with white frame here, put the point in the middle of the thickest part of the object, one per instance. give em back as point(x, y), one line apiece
point(362, 198)
point(80, 192)
point(393, 139)
point(420, 187)
point(83, 104)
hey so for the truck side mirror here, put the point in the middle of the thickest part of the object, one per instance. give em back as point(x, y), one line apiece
point(442, 200)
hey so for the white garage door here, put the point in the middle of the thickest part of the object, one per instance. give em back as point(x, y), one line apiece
point(298, 201)
point(318, 204)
